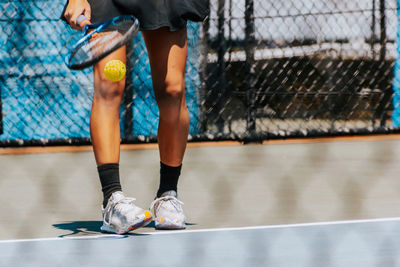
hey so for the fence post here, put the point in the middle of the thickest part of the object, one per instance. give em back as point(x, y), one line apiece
point(221, 50)
point(383, 29)
point(250, 65)
point(203, 70)
point(128, 94)
point(373, 28)
point(387, 92)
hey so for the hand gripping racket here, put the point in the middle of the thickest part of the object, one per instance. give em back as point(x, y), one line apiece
point(100, 39)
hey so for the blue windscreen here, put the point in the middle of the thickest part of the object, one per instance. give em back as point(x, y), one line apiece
point(42, 99)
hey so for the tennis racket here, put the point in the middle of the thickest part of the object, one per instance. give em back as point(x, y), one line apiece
point(99, 40)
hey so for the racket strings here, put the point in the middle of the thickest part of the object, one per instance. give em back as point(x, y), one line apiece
point(102, 42)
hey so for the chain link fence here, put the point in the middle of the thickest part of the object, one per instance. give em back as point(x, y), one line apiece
point(256, 70)
point(299, 68)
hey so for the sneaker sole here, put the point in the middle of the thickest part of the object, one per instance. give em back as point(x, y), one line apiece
point(167, 225)
point(110, 230)
point(143, 223)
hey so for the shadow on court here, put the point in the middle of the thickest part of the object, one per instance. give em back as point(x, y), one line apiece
point(79, 227)
point(82, 228)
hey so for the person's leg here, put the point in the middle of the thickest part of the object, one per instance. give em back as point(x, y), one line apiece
point(104, 118)
point(167, 54)
point(119, 214)
point(104, 125)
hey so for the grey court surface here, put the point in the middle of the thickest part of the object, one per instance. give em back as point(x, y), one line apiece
point(373, 243)
point(50, 207)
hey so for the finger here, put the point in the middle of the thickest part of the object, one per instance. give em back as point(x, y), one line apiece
point(75, 16)
point(67, 15)
point(88, 13)
point(73, 26)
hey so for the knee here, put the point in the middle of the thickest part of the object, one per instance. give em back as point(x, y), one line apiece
point(171, 91)
point(107, 90)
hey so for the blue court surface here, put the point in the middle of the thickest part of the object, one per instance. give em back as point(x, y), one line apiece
point(312, 203)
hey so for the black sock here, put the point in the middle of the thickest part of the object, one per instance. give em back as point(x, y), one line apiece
point(109, 178)
point(168, 178)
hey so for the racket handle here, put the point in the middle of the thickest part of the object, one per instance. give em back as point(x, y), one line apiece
point(82, 21)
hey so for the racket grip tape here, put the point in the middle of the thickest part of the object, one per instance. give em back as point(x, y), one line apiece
point(82, 21)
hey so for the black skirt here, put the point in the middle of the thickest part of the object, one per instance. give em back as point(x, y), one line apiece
point(152, 14)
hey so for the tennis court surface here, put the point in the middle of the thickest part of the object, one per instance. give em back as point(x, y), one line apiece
point(325, 203)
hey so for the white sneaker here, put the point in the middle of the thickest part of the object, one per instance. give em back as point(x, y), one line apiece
point(121, 215)
point(168, 212)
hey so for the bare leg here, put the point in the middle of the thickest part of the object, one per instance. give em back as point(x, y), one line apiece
point(167, 53)
point(104, 118)
point(105, 132)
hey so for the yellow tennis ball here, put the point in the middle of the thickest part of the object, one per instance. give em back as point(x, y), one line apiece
point(115, 70)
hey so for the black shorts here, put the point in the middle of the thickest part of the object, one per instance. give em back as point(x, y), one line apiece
point(152, 14)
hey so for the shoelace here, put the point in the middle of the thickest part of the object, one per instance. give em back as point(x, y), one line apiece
point(175, 202)
point(120, 208)
point(126, 200)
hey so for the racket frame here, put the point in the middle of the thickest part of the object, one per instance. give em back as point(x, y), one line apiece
point(96, 29)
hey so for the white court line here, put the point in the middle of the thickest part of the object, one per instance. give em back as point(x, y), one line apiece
point(104, 236)
point(277, 226)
